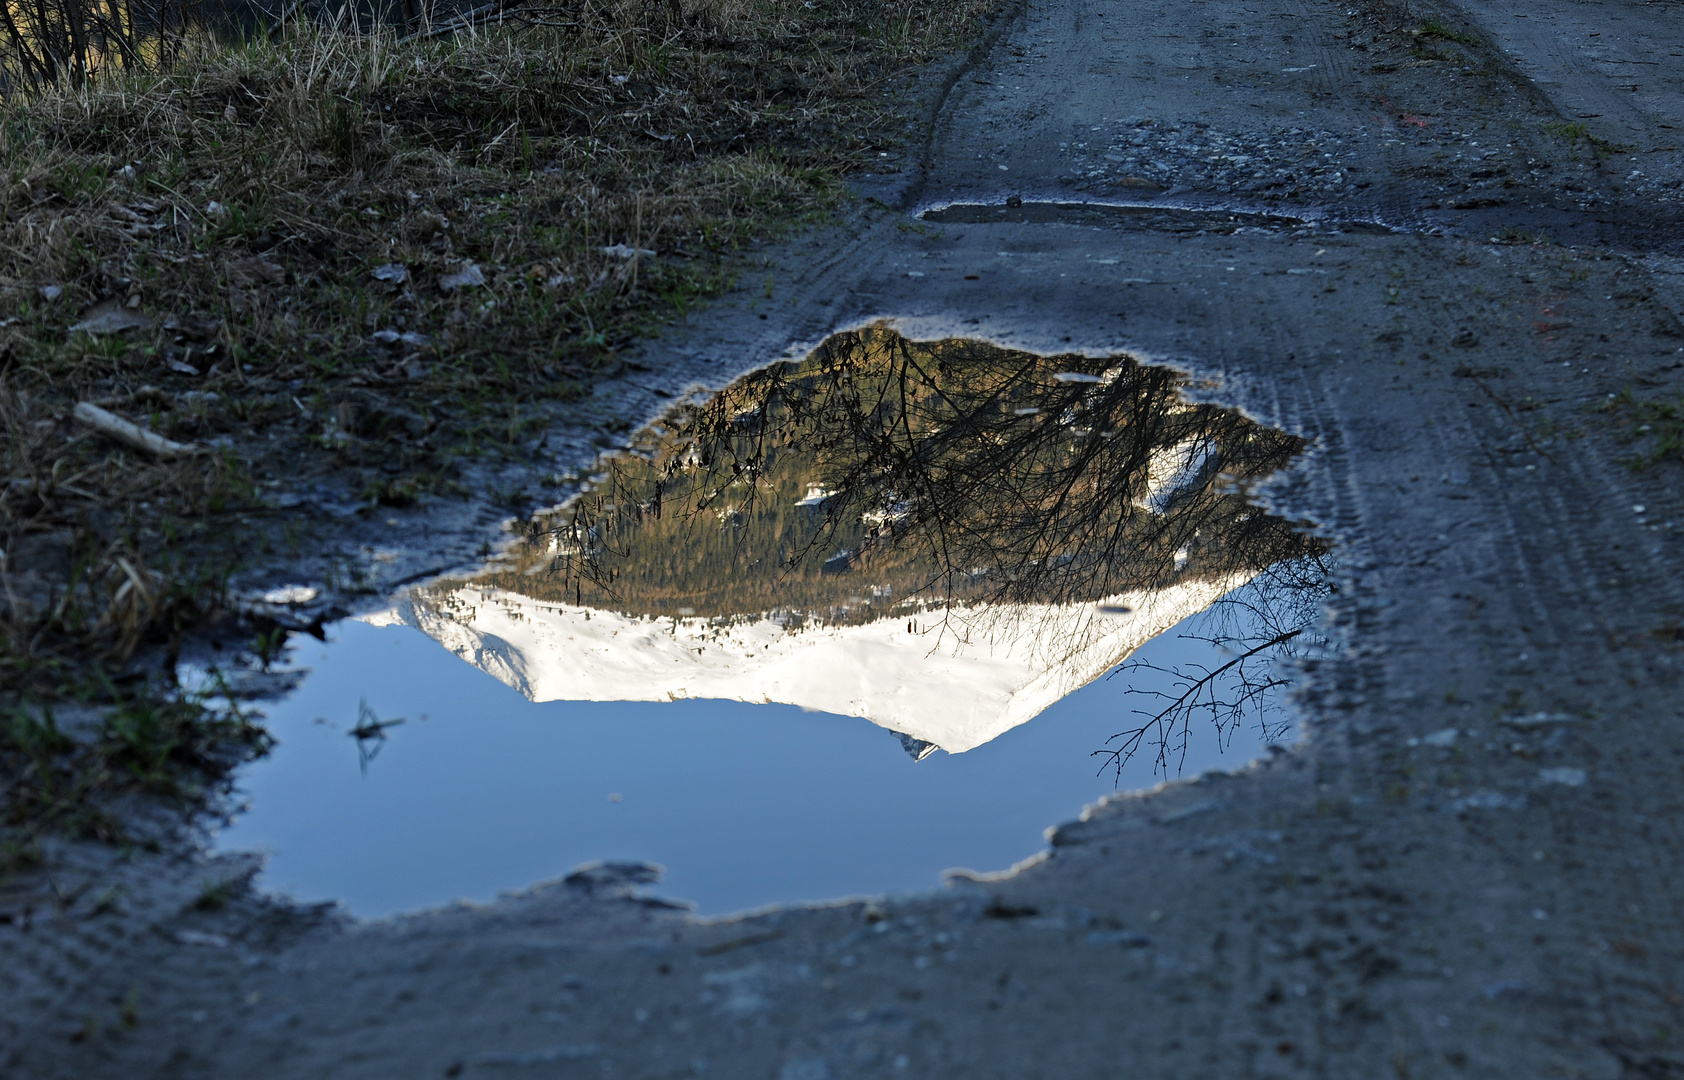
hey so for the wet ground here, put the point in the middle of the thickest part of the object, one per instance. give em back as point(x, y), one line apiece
point(1466, 867)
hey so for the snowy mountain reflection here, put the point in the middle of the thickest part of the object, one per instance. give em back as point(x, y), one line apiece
point(943, 538)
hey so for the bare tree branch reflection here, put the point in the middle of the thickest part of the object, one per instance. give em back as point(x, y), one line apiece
point(1264, 627)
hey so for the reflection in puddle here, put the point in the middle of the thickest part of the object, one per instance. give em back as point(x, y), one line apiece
point(1136, 217)
point(946, 539)
point(943, 539)
point(1157, 218)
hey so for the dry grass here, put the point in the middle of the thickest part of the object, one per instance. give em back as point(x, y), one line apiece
point(236, 206)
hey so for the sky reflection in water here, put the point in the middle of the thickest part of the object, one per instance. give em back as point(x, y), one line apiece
point(745, 805)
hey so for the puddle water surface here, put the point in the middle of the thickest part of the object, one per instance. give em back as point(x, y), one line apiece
point(889, 610)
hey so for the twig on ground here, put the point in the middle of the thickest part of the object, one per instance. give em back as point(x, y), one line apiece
point(132, 435)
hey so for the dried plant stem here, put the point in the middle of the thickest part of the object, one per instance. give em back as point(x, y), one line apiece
point(129, 434)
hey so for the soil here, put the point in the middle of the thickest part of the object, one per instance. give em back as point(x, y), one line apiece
point(1455, 264)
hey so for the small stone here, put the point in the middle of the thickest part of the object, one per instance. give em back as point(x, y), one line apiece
point(290, 594)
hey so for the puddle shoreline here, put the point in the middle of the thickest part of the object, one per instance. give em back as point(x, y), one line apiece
point(882, 492)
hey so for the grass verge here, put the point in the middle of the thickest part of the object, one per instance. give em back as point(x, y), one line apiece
point(334, 257)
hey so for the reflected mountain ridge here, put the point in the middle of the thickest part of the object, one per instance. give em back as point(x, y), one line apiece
point(941, 537)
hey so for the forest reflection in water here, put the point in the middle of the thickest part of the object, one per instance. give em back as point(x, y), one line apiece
point(944, 537)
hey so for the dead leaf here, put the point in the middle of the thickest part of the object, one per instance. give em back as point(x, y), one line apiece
point(469, 276)
point(110, 317)
point(194, 327)
point(428, 225)
point(256, 270)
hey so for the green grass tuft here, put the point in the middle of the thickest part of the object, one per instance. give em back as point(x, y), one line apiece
point(1435, 28)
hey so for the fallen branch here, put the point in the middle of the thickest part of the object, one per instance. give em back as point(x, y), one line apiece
point(116, 428)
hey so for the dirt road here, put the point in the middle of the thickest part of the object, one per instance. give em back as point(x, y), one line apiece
point(1445, 245)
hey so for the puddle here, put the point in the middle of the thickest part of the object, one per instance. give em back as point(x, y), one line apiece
point(1157, 218)
point(892, 609)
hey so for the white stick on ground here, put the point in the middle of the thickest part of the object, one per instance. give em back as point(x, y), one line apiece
point(115, 427)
